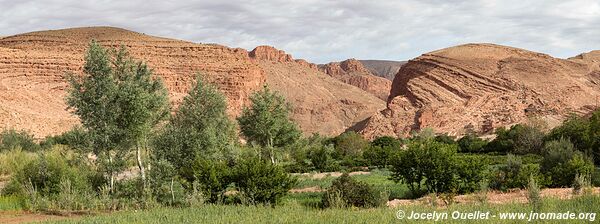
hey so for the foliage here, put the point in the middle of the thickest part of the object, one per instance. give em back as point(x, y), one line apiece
point(437, 165)
point(46, 172)
point(76, 138)
point(576, 130)
point(261, 182)
point(214, 177)
point(267, 122)
point(200, 129)
point(346, 190)
point(519, 139)
point(350, 145)
point(118, 102)
point(13, 139)
point(533, 193)
point(445, 138)
point(471, 144)
point(13, 160)
point(515, 174)
point(381, 150)
point(562, 163)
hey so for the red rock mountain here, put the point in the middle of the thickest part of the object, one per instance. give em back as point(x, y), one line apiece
point(321, 103)
point(33, 65)
point(353, 72)
point(383, 68)
point(483, 86)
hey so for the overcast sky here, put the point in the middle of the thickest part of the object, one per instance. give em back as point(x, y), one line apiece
point(323, 31)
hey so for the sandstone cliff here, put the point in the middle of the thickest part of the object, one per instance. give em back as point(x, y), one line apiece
point(320, 103)
point(32, 68)
point(480, 87)
point(353, 72)
point(383, 68)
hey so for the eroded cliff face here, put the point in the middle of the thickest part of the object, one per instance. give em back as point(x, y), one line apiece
point(321, 104)
point(480, 87)
point(353, 72)
point(33, 65)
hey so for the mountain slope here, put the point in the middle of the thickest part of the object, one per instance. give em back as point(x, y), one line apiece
point(383, 68)
point(32, 67)
point(479, 87)
point(320, 103)
point(353, 72)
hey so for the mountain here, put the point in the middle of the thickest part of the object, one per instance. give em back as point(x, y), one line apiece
point(321, 103)
point(383, 68)
point(33, 66)
point(479, 87)
point(353, 72)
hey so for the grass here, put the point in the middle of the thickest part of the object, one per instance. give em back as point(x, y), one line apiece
point(11, 203)
point(292, 212)
point(379, 178)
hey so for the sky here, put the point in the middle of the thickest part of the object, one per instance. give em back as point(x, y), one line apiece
point(327, 30)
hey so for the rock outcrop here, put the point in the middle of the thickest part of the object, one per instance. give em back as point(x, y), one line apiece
point(33, 65)
point(353, 72)
point(321, 104)
point(383, 68)
point(479, 87)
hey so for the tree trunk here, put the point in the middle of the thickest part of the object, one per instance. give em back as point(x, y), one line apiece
point(138, 152)
point(112, 173)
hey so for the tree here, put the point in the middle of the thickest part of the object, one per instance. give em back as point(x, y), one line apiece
point(118, 102)
point(93, 99)
point(266, 122)
point(142, 101)
point(261, 182)
point(562, 163)
point(350, 144)
point(199, 129)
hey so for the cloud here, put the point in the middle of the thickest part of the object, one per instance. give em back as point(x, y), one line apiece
point(330, 30)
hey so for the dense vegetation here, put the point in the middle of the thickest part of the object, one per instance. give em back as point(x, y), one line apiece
point(131, 153)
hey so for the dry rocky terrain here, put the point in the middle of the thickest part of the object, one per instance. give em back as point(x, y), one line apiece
point(321, 104)
point(33, 67)
point(383, 68)
point(479, 87)
point(353, 72)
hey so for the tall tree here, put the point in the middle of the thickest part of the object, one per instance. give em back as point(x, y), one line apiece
point(267, 121)
point(118, 102)
point(199, 129)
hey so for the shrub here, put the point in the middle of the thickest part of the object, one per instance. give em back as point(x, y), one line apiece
point(533, 193)
point(46, 173)
point(321, 158)
point(12, 139)
point(75, 138)
point(213, 178)
point(515, 174)
point(471, 144)
point(576, 130)
point(519, 139)
point(387, 141)
point(445, 138)
point(581, 182)
point(562, 163)
point(164, 184)
point(350, 144)
point(13, 160)
point(346, 191)
point(378, 155)
point(438, 166)
point(261, 182)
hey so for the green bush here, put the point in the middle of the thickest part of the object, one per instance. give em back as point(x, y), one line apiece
point(471, 144)
point(12, 139)
point(350, 144)
point(46, 173)
point(576, 130)
point(321, 158)
point(380, 151)
point(438, 167)
point(261, 182)
point(445, 138)
point(515, 174)
point(75, 138)
point(165, 185)
point(213, 177)
point(562, 163)
point(519, 139)
point(347, 191)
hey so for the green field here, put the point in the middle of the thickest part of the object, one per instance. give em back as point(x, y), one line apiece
point(293, 212)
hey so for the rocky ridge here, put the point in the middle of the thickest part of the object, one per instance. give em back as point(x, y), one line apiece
point(353, 72)
point(479, 87)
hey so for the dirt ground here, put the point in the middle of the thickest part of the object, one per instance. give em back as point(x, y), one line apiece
point(493, 197)
point(14, 217)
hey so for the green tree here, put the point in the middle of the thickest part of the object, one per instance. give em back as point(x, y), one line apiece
point(350, 144)
point(118, 102)
point(261, 182)
point(199, 129)
point(562, 163)
point(266, 122)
